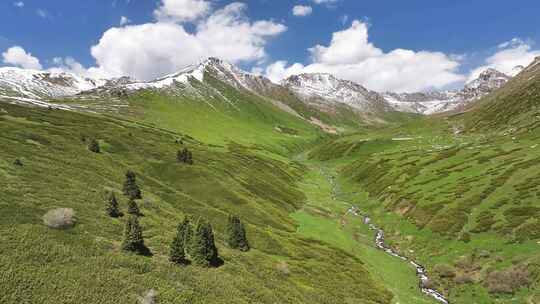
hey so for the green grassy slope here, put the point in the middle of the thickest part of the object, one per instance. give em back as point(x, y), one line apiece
point(465, 203)
point(513, 108)
point(86, 265)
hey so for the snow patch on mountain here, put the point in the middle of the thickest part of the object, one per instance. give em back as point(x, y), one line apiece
point(322, 90)
point(17, 82)
point(436, 102)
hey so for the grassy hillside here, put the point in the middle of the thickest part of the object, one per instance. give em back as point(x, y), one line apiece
point(466, 206)
point(513, 108)
point(85, 264)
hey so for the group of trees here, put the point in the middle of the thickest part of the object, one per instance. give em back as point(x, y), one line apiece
point(195, 240)
point(184, 156)
point(133, 236)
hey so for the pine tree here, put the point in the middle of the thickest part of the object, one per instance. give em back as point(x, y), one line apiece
point(184, 156)
point(236, 234)
point(113, 209)
point(131, 189)
point(203, 249)
point(180, 241)
point(133, 237)
point(93, 146)
point(133, 208)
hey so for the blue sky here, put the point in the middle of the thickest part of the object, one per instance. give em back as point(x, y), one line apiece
point(468, 33)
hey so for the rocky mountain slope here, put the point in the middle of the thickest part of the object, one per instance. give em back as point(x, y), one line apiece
point(17, 82)
point(513, 108)
point(324, 91)
point(436, 102)
point(308, 95)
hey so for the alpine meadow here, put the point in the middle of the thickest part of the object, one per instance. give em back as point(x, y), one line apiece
point(195, 155)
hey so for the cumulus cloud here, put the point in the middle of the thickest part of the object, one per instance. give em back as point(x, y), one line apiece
point(325, 1)
point(17, 56)
point(151, 50)
point(42, 13)
point(182, 10)
point(124, 20)
point(302, 10)
point(510, 54)
point(351, 56)
point(69, 65)
point(18, 4)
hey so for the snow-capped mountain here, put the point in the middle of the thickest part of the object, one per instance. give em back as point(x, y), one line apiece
point(17, 82)
point(324, 90)
point(436, 102)
point(218, 68)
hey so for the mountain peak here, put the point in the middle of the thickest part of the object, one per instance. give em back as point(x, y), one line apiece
point(324, 88)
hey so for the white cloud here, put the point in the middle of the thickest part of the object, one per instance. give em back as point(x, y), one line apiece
point(325, 1)
point(69, 65)
point(17, 56)
point(151, 50)
point(511, 54)
point(347, 46)
point(18, 4)
point(124, 20)
point(182, 10)
point(351, 56)
point(302, 10)
point(42, 13)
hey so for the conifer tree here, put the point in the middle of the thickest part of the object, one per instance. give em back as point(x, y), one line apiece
point(133, 208)
point(178, 247)
point(131, 189)
point(93, 146)
point(203, 249)
point(185, 232)
point(113, 209)
point(236, 234)
point(184, 156)
point(133, 237)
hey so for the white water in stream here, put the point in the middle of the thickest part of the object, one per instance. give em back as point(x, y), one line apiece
point(379, 243)
point(420, 270)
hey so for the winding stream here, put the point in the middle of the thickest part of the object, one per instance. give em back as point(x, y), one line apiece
point(420, 270)
point(421, 273)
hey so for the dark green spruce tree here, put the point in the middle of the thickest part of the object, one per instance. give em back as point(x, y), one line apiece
point(180, 242)
point(236, 234)
point(204, 252)
point(93, 146)
point(133, 208)
point(131, 189)
point(113, 209)
point(184, 156)
point(133, 237)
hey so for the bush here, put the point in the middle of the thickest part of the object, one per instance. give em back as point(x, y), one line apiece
point(60, 218)
point(445, 271)
point(149, 298)
point(508, 281)
point(93, 146)
point(463, 278)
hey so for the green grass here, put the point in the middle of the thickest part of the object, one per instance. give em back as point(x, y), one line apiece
point(431, 190)
point(85, 264)
point(324, 218)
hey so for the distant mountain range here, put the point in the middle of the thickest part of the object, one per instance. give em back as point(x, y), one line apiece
point(323, 92)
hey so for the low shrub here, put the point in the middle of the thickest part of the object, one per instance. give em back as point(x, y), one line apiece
point(508, 281)
point(149, 298)
point(60, 218)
